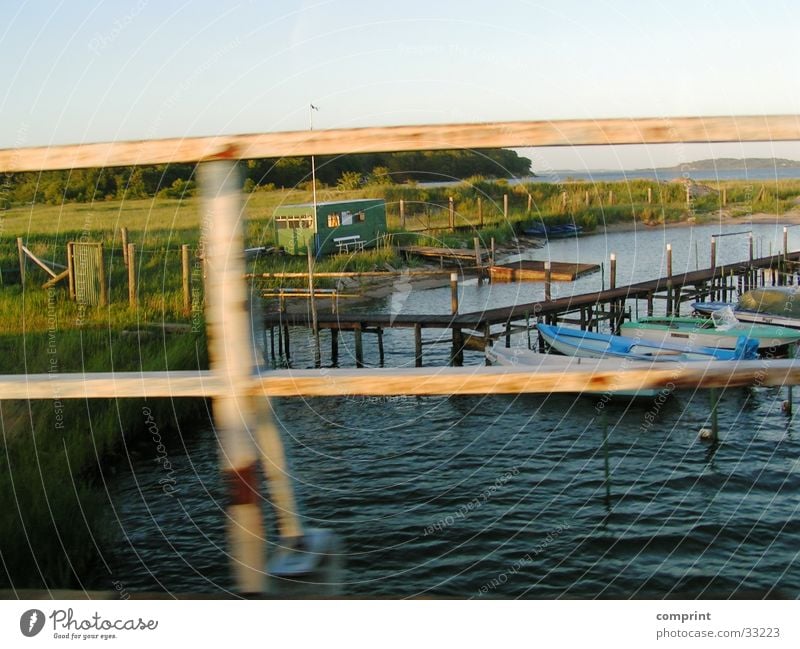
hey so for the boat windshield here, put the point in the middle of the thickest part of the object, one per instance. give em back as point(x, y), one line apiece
point(724, 319)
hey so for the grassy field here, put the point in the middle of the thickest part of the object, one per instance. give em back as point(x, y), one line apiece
point(54, 453)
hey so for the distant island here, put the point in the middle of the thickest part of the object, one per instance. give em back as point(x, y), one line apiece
point(711, 164)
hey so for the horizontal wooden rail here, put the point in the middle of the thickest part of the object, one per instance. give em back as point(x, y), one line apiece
point(575, 132)
point(404, 381)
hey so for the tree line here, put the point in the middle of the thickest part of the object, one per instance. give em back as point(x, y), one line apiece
point(177, 180)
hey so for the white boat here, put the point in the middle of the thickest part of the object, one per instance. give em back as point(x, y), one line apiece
point(498, 354)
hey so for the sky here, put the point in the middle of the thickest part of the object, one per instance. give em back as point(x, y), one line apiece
point(86, 71)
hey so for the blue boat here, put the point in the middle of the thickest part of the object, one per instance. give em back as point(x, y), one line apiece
point(588, 344)
point(563, 231)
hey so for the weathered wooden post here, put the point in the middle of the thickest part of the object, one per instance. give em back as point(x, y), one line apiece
point(185, 277)
point(670, 291)
point(231, 359)
point(454, 293)
point(417, 345)
point(547, 281)
point(313, 303)
point(130, 255)
point(586, 198)
point(612, 271)
point(21, 254)
point(451, 213)
point(563, 200)
point(334, 346)
point(123, 232)
point(724, 196)
point(505, 206)
point(649, 194)
point(492, 253)
point(610, 196)
point(480, 212)
point(71, 269)
point(785, 242)
point(478, 259)
point(713, 267)
point(530, 203)
point(359, 347)
point(402, 214)
point(101, 276)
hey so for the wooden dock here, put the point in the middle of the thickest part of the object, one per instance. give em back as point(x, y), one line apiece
point(527, 270)
point(474, 330)
point(450, 255)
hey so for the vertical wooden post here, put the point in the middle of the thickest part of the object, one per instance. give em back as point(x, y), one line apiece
point(71, 269)
point(478, 259)
point(564, 200)
point(688, 193)
point(334, 346)
point(402, 213)
point(480, 212)
point(610, 196)
point(612, 271)
point(101, 276)
point(231, 360)
point(359, 347)
point(669, 261)
point(547, 280)
point(454, 293)
point(313, 303)
point(586, 198)
point(713, 253)
point(272, 344)
point(451, 213)
point(379, 331)
point(649, 194)
point(185, 279)
point(417, 345)
point(785, 242)
point(21, 254)
point(505, 206)
point(724, 196)
point(124, 234)
point(492, 253)
point(650, 303)
point(530, 203)
point(508, 334)
point(750, 247)
point(130, 255)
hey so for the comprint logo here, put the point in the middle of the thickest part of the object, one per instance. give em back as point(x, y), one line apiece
point(31, 622)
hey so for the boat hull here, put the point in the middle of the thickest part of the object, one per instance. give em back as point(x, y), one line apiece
point(682, 331)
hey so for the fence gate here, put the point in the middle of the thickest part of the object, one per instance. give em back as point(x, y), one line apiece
point(88, 272)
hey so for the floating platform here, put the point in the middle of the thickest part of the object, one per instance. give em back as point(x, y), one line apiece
point(525, 270)
point(453, 255)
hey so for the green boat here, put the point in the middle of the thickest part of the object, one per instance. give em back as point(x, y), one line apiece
point(721, 330)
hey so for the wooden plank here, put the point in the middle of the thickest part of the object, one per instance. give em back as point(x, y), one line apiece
point(402, 381)
point(55, 280)
point(576, 132)
point(38, 262)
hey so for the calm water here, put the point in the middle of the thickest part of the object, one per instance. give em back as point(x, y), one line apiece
point(503, 496)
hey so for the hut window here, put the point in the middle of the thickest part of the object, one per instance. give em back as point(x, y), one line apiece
point(293, 222)
point(334, 220)
point(359, 217)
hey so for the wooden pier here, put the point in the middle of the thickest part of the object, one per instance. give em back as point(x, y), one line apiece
point(527, 270)
point(474, 330)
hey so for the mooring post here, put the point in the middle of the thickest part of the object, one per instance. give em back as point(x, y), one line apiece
point(492, 253)
point(379, 331)
point(359, 347)
point(785, 242)
point(313, 304)
point(334, 346)
point(454, 293)
point(612, 271)
point(457, 356)
point(505, 207)
point(547, 281)
point(418, 344)
point(528, 327)
point(185, 277)
point(508, 334)
point(402, 214)
point(669, 280)
point(130, 254)
point(713, 267)
point(478, 259)
point(231, 360)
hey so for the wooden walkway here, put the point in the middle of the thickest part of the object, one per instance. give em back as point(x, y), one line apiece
point(586, 310)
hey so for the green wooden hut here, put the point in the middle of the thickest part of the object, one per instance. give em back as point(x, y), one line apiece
point(340, 226)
